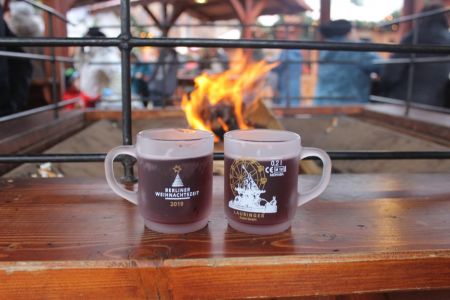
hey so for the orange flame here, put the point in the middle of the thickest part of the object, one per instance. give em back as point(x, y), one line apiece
point(237, 87)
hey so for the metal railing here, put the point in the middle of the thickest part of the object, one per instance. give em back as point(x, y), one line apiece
point(125, 42)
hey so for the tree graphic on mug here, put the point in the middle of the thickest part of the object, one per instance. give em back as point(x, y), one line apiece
point(177, 182)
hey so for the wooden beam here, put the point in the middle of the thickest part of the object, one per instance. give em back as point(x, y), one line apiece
point(6, 6)
point(239, 9)
point(178, 10)
point(152, 15)
point(248, 6)
point(257, 9)
point(115, 4)
point(325, 11)
point(198, 14)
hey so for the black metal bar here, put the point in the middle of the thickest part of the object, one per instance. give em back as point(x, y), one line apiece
point(60, 42)
point(284, 44)
point(411, 70)
point(391, 155)
point(49, 10)
point(33, 56)
point(55, 96)
point(126, 72)
point(417, 16)
point(226, 43)
point(335, 155)
point(399, 102)
point(216, 24)
point(125, 49)
point(62, 158)
point(417, 60)
point(34, 111)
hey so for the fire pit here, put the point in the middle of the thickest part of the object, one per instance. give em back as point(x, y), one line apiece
point(229, 100)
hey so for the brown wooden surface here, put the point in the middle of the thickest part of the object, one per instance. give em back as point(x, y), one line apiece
point(65, 238)
point(37, 132)
point(318, 110)
point(434, 126)
point(350, 133)
point(96, 115)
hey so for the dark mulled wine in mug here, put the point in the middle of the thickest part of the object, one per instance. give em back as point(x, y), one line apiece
point(261, 179)
point(261, 192)
point(174, 193)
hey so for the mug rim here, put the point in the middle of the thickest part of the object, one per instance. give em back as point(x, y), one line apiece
point(162, 134)
point(254, 136)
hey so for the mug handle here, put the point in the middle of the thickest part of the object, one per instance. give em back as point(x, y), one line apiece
point(326, 174)
point(109, 172)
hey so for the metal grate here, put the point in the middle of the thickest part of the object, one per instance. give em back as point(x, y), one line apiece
point(125, 42)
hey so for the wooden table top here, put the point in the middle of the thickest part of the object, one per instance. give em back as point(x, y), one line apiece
point(366, 233)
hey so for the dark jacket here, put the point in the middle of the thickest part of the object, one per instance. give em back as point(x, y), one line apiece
point(430, 80)
point(15, 77)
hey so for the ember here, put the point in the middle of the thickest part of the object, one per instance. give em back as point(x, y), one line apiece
point(219, 101)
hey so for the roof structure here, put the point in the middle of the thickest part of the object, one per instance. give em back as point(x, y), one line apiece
point(246, 11)
point(211, 10)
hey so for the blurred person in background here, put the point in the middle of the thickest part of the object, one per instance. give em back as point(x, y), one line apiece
point(349, 80)
point(288, 71)
point(72, 84)
point(213, 61)
point(99, 69)
point(25, 21)
point(141, 73)
point(164, 80)
point(15, 76)
point(431, 80)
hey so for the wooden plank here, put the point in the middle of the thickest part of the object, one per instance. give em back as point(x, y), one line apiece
point(366, 233)
point(430, 117)
point(318, 110)
point(36, 133)
point(96, 115)
point(230, 279)
point(357, 133)
point(99, 137)
point(429, 125)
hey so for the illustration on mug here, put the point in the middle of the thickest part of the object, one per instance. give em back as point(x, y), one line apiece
point(247, 181)
point(177, 191)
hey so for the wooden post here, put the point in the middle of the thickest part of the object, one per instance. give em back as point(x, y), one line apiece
point(5, 6)
point(247, 14)
point(325, 9)
point(168, 20)
point(59, 30)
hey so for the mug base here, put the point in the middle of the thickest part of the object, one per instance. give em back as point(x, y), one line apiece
point(176, 228)
point(259, 229)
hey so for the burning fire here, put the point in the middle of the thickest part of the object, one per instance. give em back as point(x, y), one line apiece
point(218, 101)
